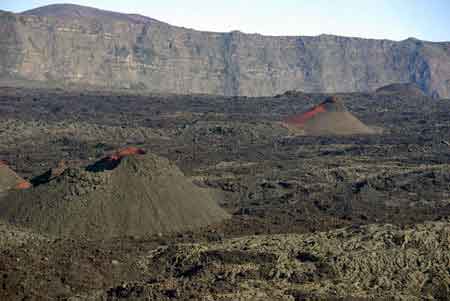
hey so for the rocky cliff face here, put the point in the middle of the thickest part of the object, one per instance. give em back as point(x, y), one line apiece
point(70, 44)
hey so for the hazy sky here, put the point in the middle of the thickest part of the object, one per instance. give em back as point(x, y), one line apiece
point(391, 19)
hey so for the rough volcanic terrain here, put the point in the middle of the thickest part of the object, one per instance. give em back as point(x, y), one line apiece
point(313, 217)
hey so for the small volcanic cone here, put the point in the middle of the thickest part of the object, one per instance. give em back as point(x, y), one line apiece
point(143, 194)
point(328, 118)
point(10, 180)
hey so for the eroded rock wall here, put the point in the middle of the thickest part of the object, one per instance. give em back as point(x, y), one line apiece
point(147, 54)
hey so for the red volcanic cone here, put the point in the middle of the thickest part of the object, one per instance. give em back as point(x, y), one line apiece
point(328, 118)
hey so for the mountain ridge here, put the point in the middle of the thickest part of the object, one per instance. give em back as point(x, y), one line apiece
point(70, 44)
point(51, 10)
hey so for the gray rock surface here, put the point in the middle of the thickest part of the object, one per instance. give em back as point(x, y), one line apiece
point(73, 45)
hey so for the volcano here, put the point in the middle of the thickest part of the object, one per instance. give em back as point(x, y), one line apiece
point(137, 195)
point(328, 118)
point(10, 180)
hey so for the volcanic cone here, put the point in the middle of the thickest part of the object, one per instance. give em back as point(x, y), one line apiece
point(135, 195)
point(328, 118)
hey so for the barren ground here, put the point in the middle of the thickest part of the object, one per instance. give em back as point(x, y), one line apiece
point(362, 217)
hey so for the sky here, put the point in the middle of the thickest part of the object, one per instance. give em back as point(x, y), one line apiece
point(378, 19)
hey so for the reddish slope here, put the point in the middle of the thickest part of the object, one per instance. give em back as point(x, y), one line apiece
point(23, 185)
point(129, 151)
point(302, 118)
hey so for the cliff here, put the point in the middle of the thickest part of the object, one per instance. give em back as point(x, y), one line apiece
point(68, 44)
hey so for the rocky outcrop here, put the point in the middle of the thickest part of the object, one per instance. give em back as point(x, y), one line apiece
point(66, 44)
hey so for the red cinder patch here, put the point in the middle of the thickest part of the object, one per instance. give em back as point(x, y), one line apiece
point(301, 119)
point(129, 151)
point(112, 161)
point(23, 185)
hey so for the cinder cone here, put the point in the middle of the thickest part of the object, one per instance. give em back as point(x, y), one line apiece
point(328, 118)
point(128, 193)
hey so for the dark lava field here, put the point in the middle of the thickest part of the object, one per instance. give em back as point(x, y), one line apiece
point(360, 217)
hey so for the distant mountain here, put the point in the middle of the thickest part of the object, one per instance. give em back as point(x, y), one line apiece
point(67, 44)
point(402, 88)
point(71, 11)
